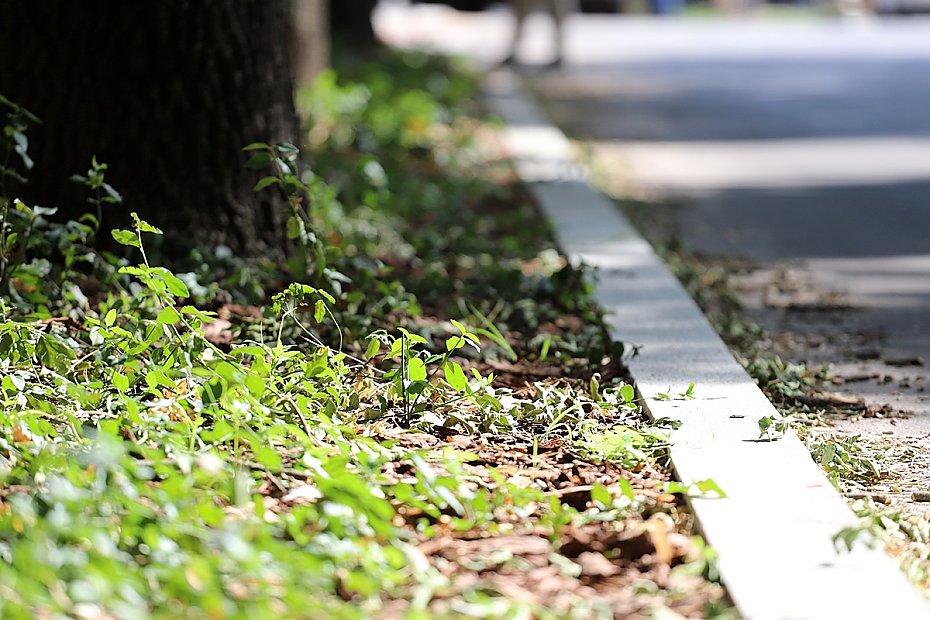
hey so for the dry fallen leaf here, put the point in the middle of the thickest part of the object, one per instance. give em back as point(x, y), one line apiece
point(218, 332)
point(595, 565)
point(21, 435)
point(228, 311)
point(659, 526)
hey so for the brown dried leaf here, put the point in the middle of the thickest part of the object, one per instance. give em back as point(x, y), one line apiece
point(218, 332)
point(595, 565)
point(228, 311)
point(659, 526)
point(21, 435)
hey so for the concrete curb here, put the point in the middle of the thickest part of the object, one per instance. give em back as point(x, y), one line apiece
point(774, 529)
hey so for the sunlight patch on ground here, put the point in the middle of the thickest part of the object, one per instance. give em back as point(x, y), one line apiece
point(784, 163)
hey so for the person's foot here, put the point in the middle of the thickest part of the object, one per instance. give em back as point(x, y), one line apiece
point(509, 61)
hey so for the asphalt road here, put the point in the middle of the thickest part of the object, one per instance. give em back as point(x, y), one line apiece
point(801, 146)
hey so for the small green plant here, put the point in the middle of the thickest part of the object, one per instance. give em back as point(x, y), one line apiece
point(16, 219)
point(626, 446)
point(843, 458)
point(699, 488)
point(284, 161)
point(784, 379)
point(41, 260)
point(15, 144)
point(412, 378)
point(102, 193)
point(686, 394)
point(773, 427)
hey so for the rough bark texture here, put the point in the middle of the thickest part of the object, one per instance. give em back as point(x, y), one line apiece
point(167, 93)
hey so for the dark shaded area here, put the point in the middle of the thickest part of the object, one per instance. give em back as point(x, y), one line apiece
point(350, 22)
point(167, 93)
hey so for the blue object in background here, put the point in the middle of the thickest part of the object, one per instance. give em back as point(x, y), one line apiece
point(665, 7)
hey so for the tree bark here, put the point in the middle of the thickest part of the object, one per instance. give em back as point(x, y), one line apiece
point(167, 93)
point(310, 51)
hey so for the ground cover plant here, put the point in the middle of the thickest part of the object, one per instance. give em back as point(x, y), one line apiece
point(417, 415)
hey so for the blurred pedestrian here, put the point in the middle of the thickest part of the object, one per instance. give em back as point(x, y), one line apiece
point(557, 10)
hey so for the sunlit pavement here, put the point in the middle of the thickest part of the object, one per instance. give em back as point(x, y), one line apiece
point(800, 145)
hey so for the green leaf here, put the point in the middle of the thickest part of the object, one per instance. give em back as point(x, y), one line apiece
point(255, 385)
point(110, 319)
point(139, 271)
point(627, 489)
point(157, 377)
point(120, 381)
point(454, 342)
point(374, 346)
point(319, 311)
point(13, 383)
point(265, 182)
point(628, 393)
point(144, 226)
point(230, 372)
point(126, 237)
point(268, 457)
point(710, 486)
point(175, 286)
point(206, 317)
point(211, 392)
point(703, 487)
point(256, 146)
point(112, 193)
point(53, 353)
point(295, 227)
point(416, 369)
point(455, 376)
point(168, 316)
point(222, 430)
point(413, 338)
point(676, 488)
point(601, 495)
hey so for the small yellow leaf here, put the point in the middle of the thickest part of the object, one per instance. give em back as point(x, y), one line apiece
point(21, 435)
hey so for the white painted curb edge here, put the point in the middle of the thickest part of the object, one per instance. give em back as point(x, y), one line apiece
point(774, 530)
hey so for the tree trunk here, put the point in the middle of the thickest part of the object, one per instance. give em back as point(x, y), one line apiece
point(310, 51)
point(167, 93)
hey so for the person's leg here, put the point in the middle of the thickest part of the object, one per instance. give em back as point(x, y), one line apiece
point(521, 9)
point(558, 9)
